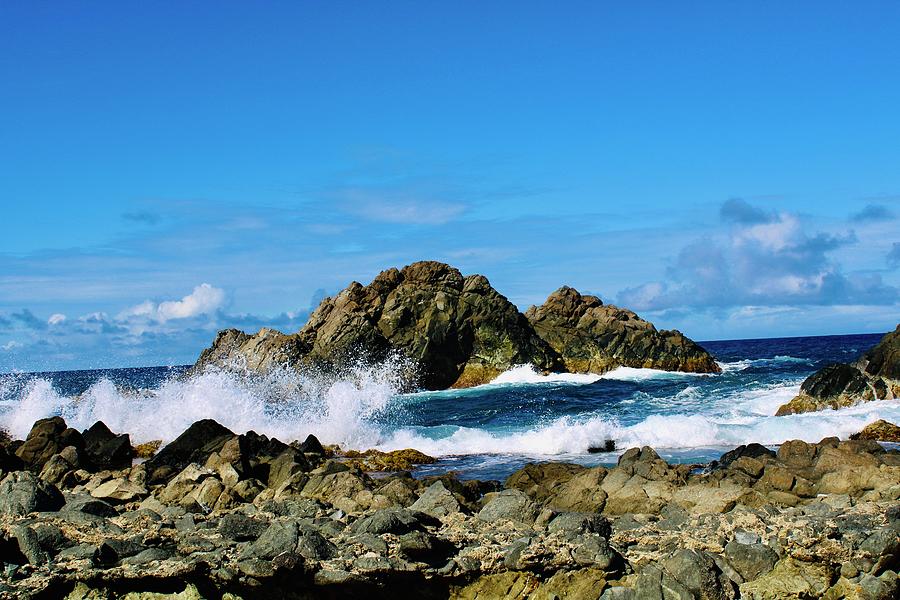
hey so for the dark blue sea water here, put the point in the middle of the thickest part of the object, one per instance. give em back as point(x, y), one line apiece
point(483, 432)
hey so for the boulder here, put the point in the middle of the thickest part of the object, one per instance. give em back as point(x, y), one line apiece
point(436, 501)
point(790, 579)
point(880, 430)
point(195, 445)
point(105, 449)
point(511, 505)
point(46, 438)
point(592, 337)
point(119, 490)
point(22, 492)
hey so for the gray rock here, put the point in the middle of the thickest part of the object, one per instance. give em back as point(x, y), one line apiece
point(884, 542)
point(388, 520)
point(750, 560)
point(509, 504)
point(90, 506)
point(576, 522)
point(370, 541)
point(437, 501)
point(23, 492)
point(239, 527)
point(146, 556)
point(29, 545)
point(312, 545)
point(594, 551)
point(77, 552)
point(698, 573)
point(278, 538)
point(423, 547)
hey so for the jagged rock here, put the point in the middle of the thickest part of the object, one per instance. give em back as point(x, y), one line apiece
point(593, 337)
point(875, 376)
point(195, 445)
point(458, 332)
point(240, 527)
point(575, 522)
point(880, 430)
point(46, 438)
point(22, 492)
point(105, 449)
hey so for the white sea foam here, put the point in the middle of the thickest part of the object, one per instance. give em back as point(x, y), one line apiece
point(676, 431)
point(528, 374)
point(283, 404)
point(740, 365)
point(361, 410)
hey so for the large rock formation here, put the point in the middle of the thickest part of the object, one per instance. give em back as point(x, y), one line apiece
point(875, 376)
point(458, 332)
point(592, 337)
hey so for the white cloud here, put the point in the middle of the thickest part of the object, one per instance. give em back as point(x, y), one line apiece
point(12, 345)
point(56, 319)
point(204, 300)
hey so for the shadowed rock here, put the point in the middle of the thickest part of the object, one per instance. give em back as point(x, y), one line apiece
point(875, 376)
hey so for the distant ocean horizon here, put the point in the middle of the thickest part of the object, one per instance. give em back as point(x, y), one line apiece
point(484, 432)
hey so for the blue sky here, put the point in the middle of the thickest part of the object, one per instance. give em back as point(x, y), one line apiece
point(170, 169)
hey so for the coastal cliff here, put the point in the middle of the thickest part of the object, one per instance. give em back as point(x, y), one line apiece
point(458, 331)
point(875, 376)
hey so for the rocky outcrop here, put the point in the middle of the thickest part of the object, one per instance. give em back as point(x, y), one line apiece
point(875, 376)
point(592, 337)
point(261, 518)
point(457, 331)
point(880, 431)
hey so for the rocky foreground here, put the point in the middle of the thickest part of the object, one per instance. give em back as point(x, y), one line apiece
point(457, 331)
point(875, 376)
point(219, 515)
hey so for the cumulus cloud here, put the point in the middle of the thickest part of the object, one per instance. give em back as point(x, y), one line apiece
point(872, 212)
point(762, 259)
point(204, 300)
point(12, 345)
point(56, 319)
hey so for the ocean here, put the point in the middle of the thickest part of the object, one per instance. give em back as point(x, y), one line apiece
point(484, 432)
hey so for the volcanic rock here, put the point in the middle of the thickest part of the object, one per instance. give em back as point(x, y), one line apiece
point(875, 376)
point(194, 445)
point(447, 330)
point(46, 438)
point(880, 430)
point(592, 337)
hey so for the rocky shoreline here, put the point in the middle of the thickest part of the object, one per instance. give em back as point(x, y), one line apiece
point(219, 515)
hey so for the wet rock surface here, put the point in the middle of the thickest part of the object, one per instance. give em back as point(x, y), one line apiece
point(807, 521)
point(456, 331)
point(875, 376)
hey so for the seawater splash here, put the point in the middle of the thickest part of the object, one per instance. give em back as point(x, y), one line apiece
point(284, 403)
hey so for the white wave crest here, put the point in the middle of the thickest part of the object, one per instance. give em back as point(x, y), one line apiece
point(529, 374)
point(740, 365)
point(283, 404)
